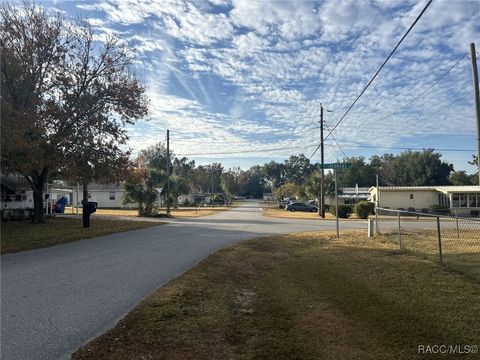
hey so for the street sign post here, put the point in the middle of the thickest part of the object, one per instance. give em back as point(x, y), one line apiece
point(336, 166)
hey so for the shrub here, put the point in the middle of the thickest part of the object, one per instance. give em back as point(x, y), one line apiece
point(186, 202)
point(440, 209)
point(343, 210)
point(218, 199)
point(364, 208)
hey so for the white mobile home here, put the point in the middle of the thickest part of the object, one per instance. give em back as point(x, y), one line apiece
point(349, 195)
point(460, 199)
point(16, 197)
point(268, 197)
point(193, 199)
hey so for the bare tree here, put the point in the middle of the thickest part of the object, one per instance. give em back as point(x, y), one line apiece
point(99, 97)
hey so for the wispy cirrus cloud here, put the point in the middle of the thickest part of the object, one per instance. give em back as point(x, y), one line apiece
point(226, 74)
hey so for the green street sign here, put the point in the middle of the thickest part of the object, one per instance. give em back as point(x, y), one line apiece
point(336, 166)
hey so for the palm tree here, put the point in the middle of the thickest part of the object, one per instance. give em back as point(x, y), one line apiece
point(178, 186)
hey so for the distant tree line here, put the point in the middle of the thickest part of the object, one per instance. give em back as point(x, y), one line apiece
point(294, 177)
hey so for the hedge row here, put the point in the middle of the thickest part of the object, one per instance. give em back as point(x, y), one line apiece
point(363, 209)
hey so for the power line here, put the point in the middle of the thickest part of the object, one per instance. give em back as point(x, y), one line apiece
point(336, 142)
point(382, 126)
point(403, 148)
point(338, 145)
point(318, 147)
point(381, 67)
point(247, 151)
point(423, 92)
point(250, 141)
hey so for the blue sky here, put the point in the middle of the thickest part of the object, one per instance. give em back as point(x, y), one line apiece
point(241, 82)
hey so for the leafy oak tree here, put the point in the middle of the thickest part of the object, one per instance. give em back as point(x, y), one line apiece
point(287, 190)
point(415, 168)
point(461, 178)
point(65, 101)
point(33, 46)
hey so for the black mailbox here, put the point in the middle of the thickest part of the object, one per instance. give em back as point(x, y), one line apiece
point(89, 207)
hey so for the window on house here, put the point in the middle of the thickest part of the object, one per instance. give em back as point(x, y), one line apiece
point(455, 200)
point(444, 200)
point(460, 200)
point(473, 200)
point(411, 196)
point(20, 197)
point(112, 195)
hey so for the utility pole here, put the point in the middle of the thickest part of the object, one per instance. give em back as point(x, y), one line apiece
point(476, 94)
point(211, 180)
point(168, 172)
point(336, 203)
point(377, 202)
point(321, 208)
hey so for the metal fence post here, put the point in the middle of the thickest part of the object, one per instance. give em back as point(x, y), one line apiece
point(399, 231)
point(440, 255)
point(456, 220)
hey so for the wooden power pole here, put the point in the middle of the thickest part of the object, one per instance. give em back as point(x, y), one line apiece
point(476, 94)
point(321, 208)
point(168, 172)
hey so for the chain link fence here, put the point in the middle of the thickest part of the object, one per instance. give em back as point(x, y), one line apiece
point(453, 241)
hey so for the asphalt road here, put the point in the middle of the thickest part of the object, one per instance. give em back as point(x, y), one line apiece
point(53, 300)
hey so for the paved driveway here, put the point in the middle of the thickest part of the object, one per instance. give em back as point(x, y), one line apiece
point(53, 300)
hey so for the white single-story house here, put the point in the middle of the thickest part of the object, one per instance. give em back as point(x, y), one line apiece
point(197, 198)
point(268, 197)
point(349, 195)
point(460, 199)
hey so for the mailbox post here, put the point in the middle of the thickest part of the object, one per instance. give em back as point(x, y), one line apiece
point(89, 207)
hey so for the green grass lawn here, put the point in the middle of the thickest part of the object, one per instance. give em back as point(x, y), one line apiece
point(23, 235)
point(301, 296)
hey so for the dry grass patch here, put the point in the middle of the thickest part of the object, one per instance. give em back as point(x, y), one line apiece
point(282, 213)
point(460, 251)
point(180, 212)
point(23, 235)
point(301, 296)
point(203, 211)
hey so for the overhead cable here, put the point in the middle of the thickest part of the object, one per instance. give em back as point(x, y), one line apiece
point(381, 67)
